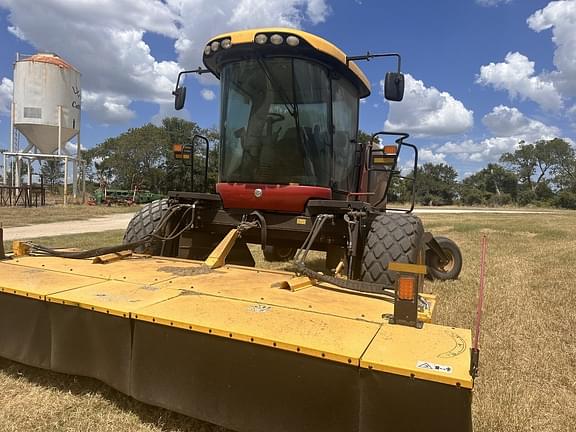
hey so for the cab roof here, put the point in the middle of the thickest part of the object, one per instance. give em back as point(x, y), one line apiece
point(310, 47)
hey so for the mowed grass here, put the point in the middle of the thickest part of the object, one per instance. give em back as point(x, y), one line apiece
point(528, 342)
point(19, 216)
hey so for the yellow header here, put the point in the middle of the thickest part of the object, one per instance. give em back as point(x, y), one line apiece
point(322, 45)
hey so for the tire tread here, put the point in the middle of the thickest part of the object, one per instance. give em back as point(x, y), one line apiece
point(392, 237)
point(145, 222)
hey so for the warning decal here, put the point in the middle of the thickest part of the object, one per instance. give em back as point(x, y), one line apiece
point(433, 367)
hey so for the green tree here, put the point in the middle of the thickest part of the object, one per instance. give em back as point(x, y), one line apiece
point(365, 137)
point(491, 185)
point(133, 158)
point(144, 158)
point(564, 168)
point(566, 199)
point(533, 162)
point(182, 132)
point(436, 184)
point(52, 170)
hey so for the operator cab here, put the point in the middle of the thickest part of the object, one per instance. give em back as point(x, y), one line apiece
point(289, 117)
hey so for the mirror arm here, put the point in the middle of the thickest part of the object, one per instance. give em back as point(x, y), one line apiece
point(369, 56)
point(198, 71)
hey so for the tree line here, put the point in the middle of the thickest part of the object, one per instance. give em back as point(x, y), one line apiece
point(540, 173)
point(143, 158)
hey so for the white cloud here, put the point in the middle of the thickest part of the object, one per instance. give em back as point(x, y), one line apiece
point(104, 39)
point(207, 94)
point(427, 155)
point(5, 95)
point(486, 150)
point(167, 110)
point(317, 10)
point(70, 148)
point(560, 16)
point(572, 116)
point(228, 15)
point(504, 121)
point(107, 109)
point(492, 2)
point(427, 111)
point(510, 127)
point(516, 75)
point(16, 32)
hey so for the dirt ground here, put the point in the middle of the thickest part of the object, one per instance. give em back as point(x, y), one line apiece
point(115, 221)
point(528, 342)
point(18, 216)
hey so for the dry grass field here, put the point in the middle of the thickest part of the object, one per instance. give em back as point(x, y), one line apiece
point(528, 342)
point(16, 216)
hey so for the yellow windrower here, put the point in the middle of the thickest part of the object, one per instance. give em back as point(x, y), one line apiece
point(249, 349)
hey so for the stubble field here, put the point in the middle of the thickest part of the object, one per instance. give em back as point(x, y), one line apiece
point(528, 340)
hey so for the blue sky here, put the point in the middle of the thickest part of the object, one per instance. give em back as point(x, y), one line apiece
point(481, 74)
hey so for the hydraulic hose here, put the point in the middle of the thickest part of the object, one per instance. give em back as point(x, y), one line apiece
point(43, 250)
point(153, 237)
point(353, 285)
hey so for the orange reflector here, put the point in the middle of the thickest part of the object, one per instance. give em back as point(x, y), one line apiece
point(379, 160)
point(390, 150)
point(406, 288)
point(177, 148)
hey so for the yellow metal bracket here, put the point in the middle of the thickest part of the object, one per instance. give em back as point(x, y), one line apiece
point(407, 268)
point(218, 256)
point(20, 248)
point(295, 284)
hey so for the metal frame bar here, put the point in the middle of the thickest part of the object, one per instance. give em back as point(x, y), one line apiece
point(369, 56)
point(392, 170)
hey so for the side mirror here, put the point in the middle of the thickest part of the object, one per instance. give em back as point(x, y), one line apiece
point(394, 86)
point(179, 97)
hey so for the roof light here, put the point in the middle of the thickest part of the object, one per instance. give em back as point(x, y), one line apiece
point(226, 43)
point(215, 45)
point(292, 41)
point(276, 39)
point(207, 50)
point(261, 39)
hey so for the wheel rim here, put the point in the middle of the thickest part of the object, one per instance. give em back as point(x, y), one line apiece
point(449, 266)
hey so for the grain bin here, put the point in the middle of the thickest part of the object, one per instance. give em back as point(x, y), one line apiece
point(46, 94)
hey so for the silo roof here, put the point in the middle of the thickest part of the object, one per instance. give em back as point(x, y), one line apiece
point(51, 59)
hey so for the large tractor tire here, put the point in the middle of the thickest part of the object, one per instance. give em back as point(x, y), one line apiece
point(144, 223)
point(392, 237)
point(450, 270)
point(278, 253)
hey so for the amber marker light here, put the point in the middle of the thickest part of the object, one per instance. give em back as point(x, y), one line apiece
point(390, 150)
point(406, 288)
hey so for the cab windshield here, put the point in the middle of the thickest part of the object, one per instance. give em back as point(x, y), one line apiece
point(276, 115)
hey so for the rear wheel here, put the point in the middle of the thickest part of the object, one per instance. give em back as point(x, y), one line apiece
point(451, 269)
point(278, 253)
point(144, 223)
point(392, 237)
